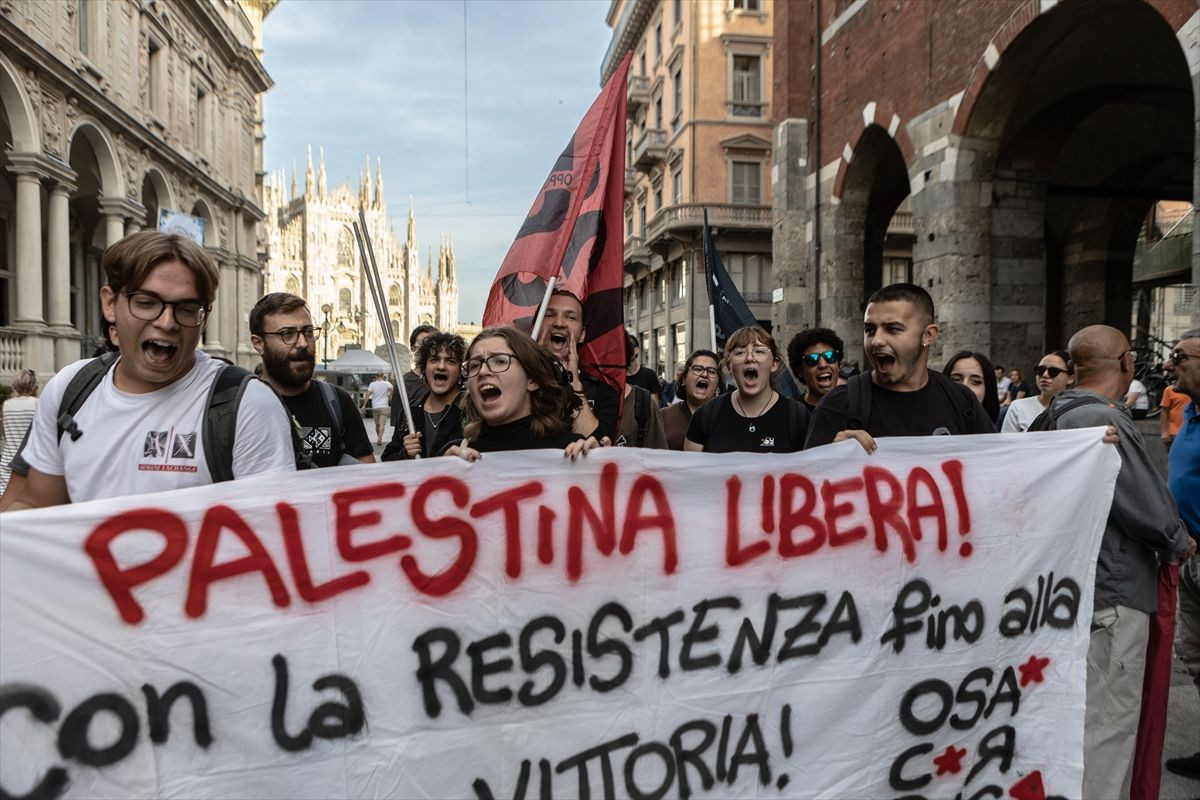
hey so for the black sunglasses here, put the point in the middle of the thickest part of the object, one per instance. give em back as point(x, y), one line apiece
point(830, 356)
point(1054, 371)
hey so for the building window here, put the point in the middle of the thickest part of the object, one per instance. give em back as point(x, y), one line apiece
point(628, 225)
point(642, 304)
point(752, 273)
point(747, 86)
point(154, 78)
point(344, 302)
point(897, 270)
point(679, 333)
point(679, 279)
point(745, 5)
point(677, 90)
point(658, 43)
point(658, 113)
point(747, 183)
point(630, 309)
point(677, 186)
point(660, 290)
point(658, 203)
point(395, 296)
point(642, 63)
point(660, 350)
point(645, 349)
point(83, 28)
point(678, 16)
point(642, 220)
point(203, 111)
point(345, 248)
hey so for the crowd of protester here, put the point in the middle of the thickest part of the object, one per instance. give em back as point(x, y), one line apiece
point(155, 413)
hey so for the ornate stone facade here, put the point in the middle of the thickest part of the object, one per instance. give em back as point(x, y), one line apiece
point(109, 111)
point(311, 252)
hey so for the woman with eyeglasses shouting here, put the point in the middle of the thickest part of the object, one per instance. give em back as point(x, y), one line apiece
point(1054, 374)
point(701, 377)
point(753, 418)
point(515, 399)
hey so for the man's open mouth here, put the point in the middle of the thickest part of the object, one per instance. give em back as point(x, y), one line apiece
point(558, 339)
point(159, 353)
point(825, 379)
point(884, 362)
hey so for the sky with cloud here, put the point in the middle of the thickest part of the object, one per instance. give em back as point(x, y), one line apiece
point(386, 79)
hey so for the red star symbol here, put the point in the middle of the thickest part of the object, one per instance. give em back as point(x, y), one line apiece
point(1031, 670)
point(1029, 788)
point(950, 761)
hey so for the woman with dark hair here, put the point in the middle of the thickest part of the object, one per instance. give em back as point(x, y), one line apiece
point(516, 399)
point(753, 418)
point(701, 377)
point(975, 371)
point(1054, 374)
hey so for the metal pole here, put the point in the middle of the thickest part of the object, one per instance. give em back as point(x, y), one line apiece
point(372, 274)
point(541, 314)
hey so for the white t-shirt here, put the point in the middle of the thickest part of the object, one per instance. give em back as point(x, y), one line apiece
point(1142, 403)
point(1002, 387)
point(381, 393)
point(153, 442)
point(1021, 414)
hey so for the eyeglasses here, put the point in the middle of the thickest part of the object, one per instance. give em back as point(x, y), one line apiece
point(289, 335)
point(496, 363)
point(1054, 372)
point(1179, 356)
point(710, 372)
point(148, 307)
point(812, 359)
point(759, 352)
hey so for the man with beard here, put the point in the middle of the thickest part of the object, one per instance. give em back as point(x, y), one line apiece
point(435, 413)
point(900, 396)
point(815, 356)
point(325, 416)
point(562, 332)
point(701, 376)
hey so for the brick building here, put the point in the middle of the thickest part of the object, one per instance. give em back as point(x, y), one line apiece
point(1029, 139)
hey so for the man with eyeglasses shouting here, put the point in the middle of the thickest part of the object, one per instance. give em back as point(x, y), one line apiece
point(701, 377)
point(140, 426)
point(325, 415)
point(815, 356)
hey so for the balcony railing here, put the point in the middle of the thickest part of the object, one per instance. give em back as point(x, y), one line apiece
point(638, 95)
point(901, 224)
point(636, 254)
point(686, 216)
point(12, 351)
point(630, 180)
point(650, 150)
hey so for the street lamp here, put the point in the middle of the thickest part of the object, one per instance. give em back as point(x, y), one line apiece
point(327, 310)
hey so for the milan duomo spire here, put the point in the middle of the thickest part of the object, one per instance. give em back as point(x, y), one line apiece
point(364, 186)
point(379, 183)
point(412, 224)
point(308, 175)
point(294, 193)
point(321, 175)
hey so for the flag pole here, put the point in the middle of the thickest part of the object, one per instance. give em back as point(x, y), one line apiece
point(712, 327)
point(371, 272)
point(541, 313)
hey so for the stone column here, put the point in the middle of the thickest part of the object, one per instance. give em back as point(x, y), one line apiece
point(114, 229)
point(29, 250)
point(58, 285)
point(133, 226)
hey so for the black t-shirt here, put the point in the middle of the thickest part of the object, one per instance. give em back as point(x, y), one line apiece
point(646, 379)
point(1016, 388)
point(605, 404)
point(929, 411)
point(437, 431)
point(516, 436)
point(317, 430)
point(720, 429)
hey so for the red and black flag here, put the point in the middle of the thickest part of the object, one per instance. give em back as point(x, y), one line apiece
point(574, 233)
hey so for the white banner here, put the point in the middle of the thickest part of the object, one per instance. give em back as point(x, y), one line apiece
point(636, 624)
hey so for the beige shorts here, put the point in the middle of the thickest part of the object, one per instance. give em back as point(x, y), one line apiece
point(380, 413)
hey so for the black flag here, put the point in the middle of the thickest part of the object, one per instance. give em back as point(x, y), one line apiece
point(730, 311)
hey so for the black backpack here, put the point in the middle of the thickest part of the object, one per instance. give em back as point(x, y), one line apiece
point(220, 417)
point(858, 399)
point(1048, 419)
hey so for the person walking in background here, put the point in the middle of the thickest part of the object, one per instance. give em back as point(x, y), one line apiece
point(1054, 375)
point(972, 370)
point(17, 414)
point(1171, 419)
point(380, 394)
point(1137, 399)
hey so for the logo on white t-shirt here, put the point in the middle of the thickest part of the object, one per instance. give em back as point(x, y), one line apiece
point(157, 458)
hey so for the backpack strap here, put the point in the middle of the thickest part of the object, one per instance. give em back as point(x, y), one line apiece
point(957, 394)
point(1048, 419)
point(334, 407)
point(220, 420)
point(798, 419)
point(858, 401)
point(641, 413)
point(81, 386)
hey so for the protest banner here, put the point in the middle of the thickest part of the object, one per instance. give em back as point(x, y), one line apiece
point(635, 624)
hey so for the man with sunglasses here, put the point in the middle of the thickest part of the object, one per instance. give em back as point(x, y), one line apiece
point(1142, 528)
point(815, 356)
point(325, 416)
point(140, 428)
point(1184, 482)
point(701, 379)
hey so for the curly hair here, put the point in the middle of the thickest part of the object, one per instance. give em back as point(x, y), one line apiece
point(806, 339)
point(435, 343)
point(552, 405)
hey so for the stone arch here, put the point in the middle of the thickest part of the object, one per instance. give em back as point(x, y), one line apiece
point(293, 286)
point(201, 209)
point(155, 192)
point(869, 190)
point(1077, 118)
point(108, 163)
point(22, 119)
point(395, 295)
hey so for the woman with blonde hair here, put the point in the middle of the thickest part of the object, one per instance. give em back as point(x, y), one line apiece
point(516, 399)
point(17, 414)
point(754, 418)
